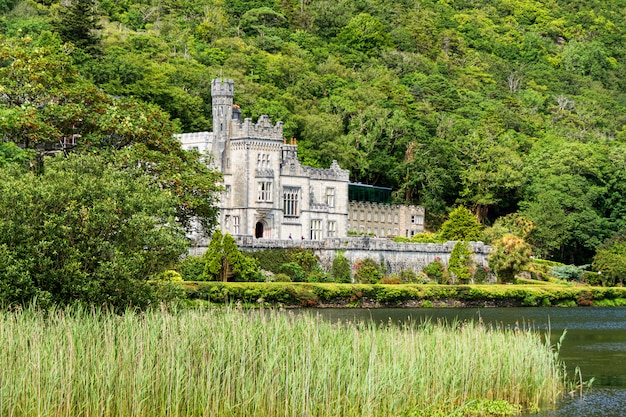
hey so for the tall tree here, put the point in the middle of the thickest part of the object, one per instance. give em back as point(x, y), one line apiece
point(84, 230)
point(45, 104)
point(79, 22)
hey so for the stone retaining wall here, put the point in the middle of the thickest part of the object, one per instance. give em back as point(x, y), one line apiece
point(396, 256)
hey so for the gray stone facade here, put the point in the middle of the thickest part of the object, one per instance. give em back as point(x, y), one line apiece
point(269, 193)
point(380, 220)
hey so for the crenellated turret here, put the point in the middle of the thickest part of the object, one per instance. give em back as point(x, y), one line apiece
point(222, 92)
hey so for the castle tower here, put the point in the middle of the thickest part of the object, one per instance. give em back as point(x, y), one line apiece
point(222, 91)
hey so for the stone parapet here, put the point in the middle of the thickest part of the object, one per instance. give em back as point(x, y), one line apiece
point(332, 173)
point(262, 129)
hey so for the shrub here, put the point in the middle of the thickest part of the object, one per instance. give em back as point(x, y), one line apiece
point(568, 272)
point(461, 225)
point(225, 262)
point(436, 271)
point(367, 271)
point(427, 237)
point(610, 260)
point(306, 258)
point(392, 279)
point(461, 261)
point(294, 271)
point(481, 274)
point(509, 256)
point(317, 275)
point(170, 276)
point(280, 278)
point(270, 259)
point(192, 268)
point(407, 276)
point(340, 270)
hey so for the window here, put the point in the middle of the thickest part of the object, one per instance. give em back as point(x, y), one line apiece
point(263, 160)
point(389, 218)
point(395, 218)
point(236, 225)
point(362, 215)
point(332, 229)
point(316, 229)
point(265, 191)
point(330, 197)
point(382, 217)
point(290, 201)
point(228, 191)
point(369, 216)
point(227, 222)
point(416, 219)
point(355, 215)
point(375, 216)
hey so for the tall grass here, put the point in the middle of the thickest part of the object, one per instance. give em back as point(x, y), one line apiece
point(226, 362)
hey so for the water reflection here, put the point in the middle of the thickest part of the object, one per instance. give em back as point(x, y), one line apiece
point(599, 402)
point(595, 342)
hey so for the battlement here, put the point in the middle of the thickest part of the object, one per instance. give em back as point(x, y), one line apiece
point(333, 173)
point(201, 141)
point(262, 129)
point(222, 87)
point(368, 205)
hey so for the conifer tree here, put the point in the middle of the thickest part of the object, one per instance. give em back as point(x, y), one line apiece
point(78, 23)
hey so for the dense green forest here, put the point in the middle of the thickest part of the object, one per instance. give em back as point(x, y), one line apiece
point(506, 106)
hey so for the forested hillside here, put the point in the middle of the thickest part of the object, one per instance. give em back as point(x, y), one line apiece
point(505, 106)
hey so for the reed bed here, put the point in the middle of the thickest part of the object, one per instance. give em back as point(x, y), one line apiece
point(227, 362)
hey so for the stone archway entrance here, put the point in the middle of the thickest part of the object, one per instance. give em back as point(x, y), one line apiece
point(258, 230)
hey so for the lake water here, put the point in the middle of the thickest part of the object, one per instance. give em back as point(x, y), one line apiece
point(595, 343)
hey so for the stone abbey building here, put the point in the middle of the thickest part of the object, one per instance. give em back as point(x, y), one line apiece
point(269, 194)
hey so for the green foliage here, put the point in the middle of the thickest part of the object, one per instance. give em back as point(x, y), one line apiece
point(224, 261)
point(437, 272)
point(461, 262)
point(85, 231)
point(461, 225)
point(271, 259)
point(10, 153)
point(408, 276)
point(568, 272)
point(513, 223)
point(305, 258)
point(281, 278)
point(45, 101)
point(192, 268)
point(392, 279)
point(481, 274)
point(294, 271)
point(341, 271)
point(78, 23)
point(610, 261)
point(509, 256)
point(365, 33)
point(427, 237)
point(506, 108)
point(308, 294)
point(367, 271)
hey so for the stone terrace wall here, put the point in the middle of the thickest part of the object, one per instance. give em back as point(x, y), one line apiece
point(396, 256)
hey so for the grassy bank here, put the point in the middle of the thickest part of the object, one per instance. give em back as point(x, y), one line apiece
point(409, 295)
point(225, 362)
